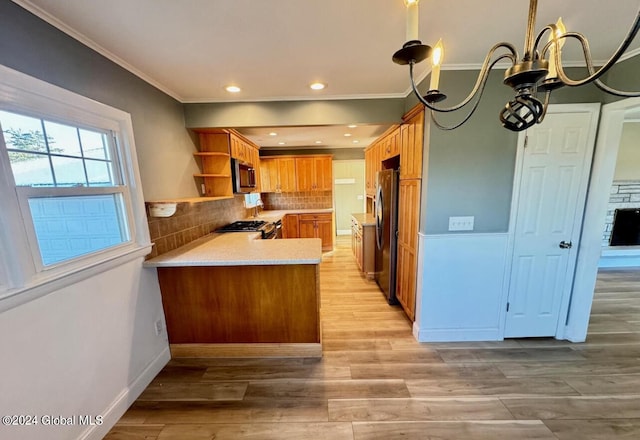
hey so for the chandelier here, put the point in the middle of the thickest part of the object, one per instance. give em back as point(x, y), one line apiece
point(532, 77)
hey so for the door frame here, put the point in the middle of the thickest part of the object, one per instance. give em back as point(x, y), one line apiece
point(602, 172)
point(594, 110)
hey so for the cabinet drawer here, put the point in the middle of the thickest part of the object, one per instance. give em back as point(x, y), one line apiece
point(312, 217)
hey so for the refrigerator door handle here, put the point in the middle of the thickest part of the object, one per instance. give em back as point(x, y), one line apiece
point(379, 218)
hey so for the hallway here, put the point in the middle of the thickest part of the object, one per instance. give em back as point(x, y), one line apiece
point(376, 382)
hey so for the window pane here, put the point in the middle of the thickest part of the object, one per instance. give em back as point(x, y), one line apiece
point(94, 144)
point(22, 132)
point(99, 173)
point(68, 171)
point(68, 227)
point(62, 139)
point(31, 169)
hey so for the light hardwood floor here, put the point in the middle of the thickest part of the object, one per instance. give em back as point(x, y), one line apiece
point(376, 382)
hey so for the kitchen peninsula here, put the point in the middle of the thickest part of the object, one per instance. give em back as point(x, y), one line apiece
point(236, 295)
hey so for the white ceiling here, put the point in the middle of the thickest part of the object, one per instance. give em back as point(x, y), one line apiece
point(273, 49)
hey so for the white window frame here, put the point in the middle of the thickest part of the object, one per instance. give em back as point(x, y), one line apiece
point(22, 274)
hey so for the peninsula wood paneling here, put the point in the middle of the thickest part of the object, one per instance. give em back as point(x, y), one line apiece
point(241, 304)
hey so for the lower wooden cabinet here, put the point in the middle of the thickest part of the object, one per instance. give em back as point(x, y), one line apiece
point(408, 226)
point(406, 279)
point(318, 225)
point(290, 227)
point(363, 245)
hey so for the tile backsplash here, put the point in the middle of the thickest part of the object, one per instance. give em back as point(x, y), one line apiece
point(192, 221)
point(298, 200)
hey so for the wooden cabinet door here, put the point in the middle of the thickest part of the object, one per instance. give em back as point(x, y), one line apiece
point(255, 161)
point(269, 175)
point(307, 228)
point(368, 172)
point(323, 173)
point(358, 250)
point(290, 228)
point(406, 280)
point(305, 173)
point(287, 174)
point(408, 219)
point(412, 142)
point(324, 231)
point(395, 143)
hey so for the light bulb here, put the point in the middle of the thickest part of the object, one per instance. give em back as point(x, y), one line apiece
point(560, 31)
point(436, 61)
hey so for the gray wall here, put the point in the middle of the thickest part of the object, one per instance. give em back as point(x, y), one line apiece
point(30, 45)
point(294, 113)
point(470, 169)
point(623, 76)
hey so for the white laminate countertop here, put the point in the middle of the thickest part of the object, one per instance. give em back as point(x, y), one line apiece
point(241, 249)
point(365, 219)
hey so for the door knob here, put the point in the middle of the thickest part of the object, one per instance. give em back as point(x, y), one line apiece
point(564, 245)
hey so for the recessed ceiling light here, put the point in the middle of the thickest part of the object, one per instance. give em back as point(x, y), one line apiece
point(318, 142)
point(232, 89)
point(355, 141)
point(281, 143)
point(317, 86)
point(347, 134)
point(352, 126)
point(273, 133)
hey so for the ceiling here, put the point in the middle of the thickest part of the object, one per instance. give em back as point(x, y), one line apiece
point(274, 49)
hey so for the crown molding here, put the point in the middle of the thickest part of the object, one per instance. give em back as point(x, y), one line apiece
point(53, 21)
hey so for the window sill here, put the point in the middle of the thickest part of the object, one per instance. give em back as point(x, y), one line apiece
point(42, 287)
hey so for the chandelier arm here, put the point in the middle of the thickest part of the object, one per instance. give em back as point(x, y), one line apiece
point(549, 27)
point(545, 106)
point(475, 104)
point(594, 75)
point(605, 88)
point(480, 82)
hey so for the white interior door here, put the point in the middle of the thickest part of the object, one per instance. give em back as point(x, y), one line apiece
point(549, 209)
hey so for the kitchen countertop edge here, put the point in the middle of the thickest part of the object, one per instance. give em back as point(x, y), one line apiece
point(241, 249)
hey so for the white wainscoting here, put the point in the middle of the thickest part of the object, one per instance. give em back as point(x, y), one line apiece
point(461, 287)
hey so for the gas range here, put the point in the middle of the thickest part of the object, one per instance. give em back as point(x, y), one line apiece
point(267, 229)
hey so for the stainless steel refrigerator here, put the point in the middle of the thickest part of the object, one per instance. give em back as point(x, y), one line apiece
point(386, 233)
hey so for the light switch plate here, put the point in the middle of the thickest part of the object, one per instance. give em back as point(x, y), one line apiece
point(461, 223)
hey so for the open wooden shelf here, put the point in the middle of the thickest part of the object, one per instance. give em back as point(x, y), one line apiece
point(211, 153)
point(212, 175)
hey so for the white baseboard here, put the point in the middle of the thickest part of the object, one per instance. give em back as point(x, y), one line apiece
point(343, 232)
point(621, 256)
point(455, 335)
point(123, 401)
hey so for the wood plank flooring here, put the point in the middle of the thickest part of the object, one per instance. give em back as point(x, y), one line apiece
point(376, 382)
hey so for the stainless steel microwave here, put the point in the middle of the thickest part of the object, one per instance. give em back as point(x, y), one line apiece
point(244, 177)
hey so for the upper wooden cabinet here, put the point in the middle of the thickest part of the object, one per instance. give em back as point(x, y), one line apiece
point(372, 164)
point(411, 145)
point(296, 173)
point(277, 174)
point(389, 145)
point(314, 173)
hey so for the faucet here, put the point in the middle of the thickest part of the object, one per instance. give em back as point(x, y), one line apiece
point(256, 208)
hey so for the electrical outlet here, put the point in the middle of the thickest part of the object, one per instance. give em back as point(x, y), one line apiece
point(158, 327)
point(461, 223)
